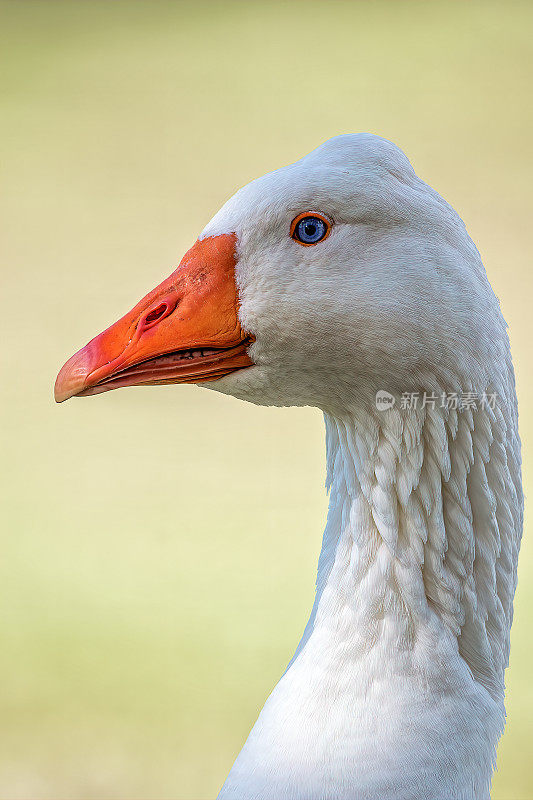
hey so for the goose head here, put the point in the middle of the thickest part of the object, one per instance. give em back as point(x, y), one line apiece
point(319, 283)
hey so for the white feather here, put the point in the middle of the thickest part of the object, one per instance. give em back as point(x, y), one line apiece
point(396, 689)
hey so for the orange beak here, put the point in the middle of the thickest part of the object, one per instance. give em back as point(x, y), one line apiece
point(186, 330)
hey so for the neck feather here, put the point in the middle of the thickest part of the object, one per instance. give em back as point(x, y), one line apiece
point(422, 533)
point(396, 688)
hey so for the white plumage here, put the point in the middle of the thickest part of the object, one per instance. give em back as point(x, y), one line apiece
point(396, 689)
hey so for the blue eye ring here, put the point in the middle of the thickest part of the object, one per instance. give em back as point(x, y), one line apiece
point(310, 228)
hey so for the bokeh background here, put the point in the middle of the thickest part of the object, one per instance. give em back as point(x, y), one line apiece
point(159, 545)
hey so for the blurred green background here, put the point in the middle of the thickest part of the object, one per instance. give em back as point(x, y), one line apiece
point(159, 545)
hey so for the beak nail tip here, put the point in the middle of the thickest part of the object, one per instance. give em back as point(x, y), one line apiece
point(72, 376)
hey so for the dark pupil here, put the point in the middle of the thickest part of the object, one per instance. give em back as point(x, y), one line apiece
point(310, 228)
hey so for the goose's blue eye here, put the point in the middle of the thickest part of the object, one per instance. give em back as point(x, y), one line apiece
point(308, 229)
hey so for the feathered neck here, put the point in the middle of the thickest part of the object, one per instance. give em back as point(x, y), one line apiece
point(421, 530)
point(396, 688)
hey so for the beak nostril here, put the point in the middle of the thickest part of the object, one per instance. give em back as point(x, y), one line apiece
point(154, 316)
point(156, 313)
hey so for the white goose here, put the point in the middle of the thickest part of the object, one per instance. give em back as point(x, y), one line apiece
point(324, 283)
